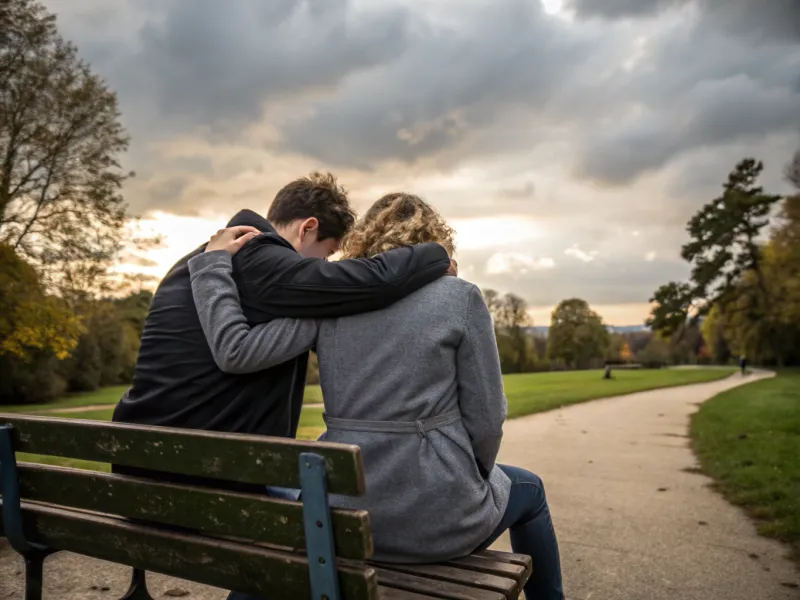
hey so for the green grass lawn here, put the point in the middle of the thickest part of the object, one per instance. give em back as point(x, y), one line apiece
point(313, 394)
point(537, 392)
point(748, 440)
point(107, 395)
point(526, 393)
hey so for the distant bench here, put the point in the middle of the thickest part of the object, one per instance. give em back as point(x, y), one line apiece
point(250, 543)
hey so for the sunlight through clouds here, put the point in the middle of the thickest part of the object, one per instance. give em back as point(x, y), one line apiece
point(494, 232)
point(179, 236)
point(576, 252)
point(515, 264)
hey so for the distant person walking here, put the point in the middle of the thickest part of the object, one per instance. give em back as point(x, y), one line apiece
point(743, 364)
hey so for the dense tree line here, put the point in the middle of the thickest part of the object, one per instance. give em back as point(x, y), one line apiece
point(576, 339)
point(49, 346)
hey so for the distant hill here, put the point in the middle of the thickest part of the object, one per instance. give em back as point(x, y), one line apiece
point(627, 328)
point(541, 331)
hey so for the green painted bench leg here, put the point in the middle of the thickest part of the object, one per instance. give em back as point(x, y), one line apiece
point(138, 587)
point(34, 574)
point(32, 554)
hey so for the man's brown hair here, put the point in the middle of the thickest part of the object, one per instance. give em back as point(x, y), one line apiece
point(319, 195)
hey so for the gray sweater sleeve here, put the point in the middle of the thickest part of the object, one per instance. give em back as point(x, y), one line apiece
point(480, 383)
point(237, 347)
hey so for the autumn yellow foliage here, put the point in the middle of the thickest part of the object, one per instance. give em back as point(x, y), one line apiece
point(31, 320)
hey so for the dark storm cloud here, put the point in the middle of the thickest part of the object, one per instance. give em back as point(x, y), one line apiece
point(185, 65)
point(693, 88)
point(215, 63)
point(759, 18)
point(449, 83)
point(614, 9)
point(713, 113)
point(388, 84)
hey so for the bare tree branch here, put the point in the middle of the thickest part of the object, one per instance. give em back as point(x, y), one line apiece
point(60, 139)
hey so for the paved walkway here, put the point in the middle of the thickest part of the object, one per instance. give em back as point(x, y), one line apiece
point(634, 519)
point(74, 409)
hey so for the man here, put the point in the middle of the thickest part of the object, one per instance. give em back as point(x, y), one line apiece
point(281, 273)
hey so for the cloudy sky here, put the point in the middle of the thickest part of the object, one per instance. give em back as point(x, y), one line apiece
point(568, 141)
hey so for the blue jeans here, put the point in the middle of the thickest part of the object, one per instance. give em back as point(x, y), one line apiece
point(528, 519)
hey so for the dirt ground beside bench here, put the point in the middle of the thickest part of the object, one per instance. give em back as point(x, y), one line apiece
point(72, 577)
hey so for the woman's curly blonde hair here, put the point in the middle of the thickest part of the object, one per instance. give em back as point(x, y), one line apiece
point(397, 220)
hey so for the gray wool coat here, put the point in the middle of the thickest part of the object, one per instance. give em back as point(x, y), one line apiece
point(433, 490)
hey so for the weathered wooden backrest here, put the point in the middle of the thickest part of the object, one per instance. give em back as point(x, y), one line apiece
point(197, 517)
point(225, 456)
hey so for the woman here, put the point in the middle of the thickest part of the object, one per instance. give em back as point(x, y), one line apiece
point(418, 387)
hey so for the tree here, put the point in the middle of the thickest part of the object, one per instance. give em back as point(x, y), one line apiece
point(782, 271)
point(727, 263)
point(30, 321)
point(637, 340)
point(510, 318)
point(792, 171)
point(724, 236)
point(60, 138)
point(494, 304)
point(713, 330)
point(741, 324)
point(685, 345)
point(106, 351)
point(539, 346)
point(36, 332)
point(577, 334)
point(655, 355)
point(615, 345)
point(515, 318)
point(514, 311)
point(133, 309)
point(672, 303)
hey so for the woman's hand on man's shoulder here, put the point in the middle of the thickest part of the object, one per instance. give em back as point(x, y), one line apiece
point(231, 239)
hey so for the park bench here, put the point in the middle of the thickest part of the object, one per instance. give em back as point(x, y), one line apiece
point(251, 543)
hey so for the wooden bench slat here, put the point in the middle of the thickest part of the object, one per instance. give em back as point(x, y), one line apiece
point(443, 572)
point(228, 565)
point(249, 459)
point(422, 582)
point(387, 593)
point(214, 512)
point(518, 573)
point(517, 559)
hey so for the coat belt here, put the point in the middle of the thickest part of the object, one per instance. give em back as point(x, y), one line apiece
point(420, 427)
